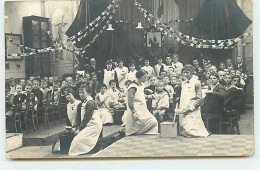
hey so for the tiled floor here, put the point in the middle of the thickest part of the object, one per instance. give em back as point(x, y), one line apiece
point(154, 146)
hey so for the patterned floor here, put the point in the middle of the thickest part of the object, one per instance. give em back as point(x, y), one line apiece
point(154, 146)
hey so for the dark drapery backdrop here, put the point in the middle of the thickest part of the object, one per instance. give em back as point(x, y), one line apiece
point(214, 19)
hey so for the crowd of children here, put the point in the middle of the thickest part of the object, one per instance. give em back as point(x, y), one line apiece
point(109, 85)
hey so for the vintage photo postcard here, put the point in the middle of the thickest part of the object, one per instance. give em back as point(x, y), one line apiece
point(128, 79)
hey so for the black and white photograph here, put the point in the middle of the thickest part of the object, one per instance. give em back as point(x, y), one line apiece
point(111, 79)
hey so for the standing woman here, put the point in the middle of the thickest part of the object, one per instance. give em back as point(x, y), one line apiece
point(191, 124)
point(108, 73)
point(138, 119)
point(90, 124)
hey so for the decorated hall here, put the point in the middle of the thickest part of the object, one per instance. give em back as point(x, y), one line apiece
point(91, 78)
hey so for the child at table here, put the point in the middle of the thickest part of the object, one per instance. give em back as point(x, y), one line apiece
point(113, 93)
point(150, 71)
point(102, 100)
point(160, 103)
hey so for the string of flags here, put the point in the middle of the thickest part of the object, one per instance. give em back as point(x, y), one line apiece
point(106, 14)
point(189, 40)
point(181, 21)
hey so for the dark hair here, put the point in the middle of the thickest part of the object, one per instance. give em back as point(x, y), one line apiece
point(86, 87)
point(189, 68)
point(36, 80)
point(112, 81)
point(27, 84)
point(70, 91)
point(103, 85)
point(128, 82)
point(119, 60)
point(140, 73)
point(214, 74)
point(132, 62)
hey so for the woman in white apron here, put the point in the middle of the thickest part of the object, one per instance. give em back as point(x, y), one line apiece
point(90, 124)
point(72, 109)
point(191, 124)
point(109, 74)
point(102, 100)
point(138, 118)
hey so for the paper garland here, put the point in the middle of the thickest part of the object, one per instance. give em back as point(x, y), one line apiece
point(94, 24)
point(189, 40)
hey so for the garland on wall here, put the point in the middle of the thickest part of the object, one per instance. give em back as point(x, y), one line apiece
point(106, 15)
point(189, 40)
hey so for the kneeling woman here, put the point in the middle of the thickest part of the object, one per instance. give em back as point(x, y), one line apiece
point(90, 124)
point(138, 119)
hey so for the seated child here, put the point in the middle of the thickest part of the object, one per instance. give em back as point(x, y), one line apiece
point(163, 73)
point(168, 87)
point(51, 80)
point(19, 97)
point(113, 92)
point(151, 89)
point(150, 71)
point(44, 89)
point(37, 93)
point(160, 103)
point(22, 82)
point(102, 100)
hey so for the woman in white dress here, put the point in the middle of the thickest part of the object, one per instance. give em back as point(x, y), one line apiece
point(72, 109)
point(108, 74)
point(121, 72)
point(138, 118)
point(102, 100)
point(90, 124)
point(191, 124)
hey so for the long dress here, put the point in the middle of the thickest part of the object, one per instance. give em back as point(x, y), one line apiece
point(108, 76)
point(103, 110)
point(191, 124)
point(72, 113)
point(89, 133)
point(121, 76)
point(146, 122)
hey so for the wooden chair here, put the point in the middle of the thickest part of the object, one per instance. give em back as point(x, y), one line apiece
point(17, 118)
point(25, 119)
point(232, 112)
point(231, 120)
point(208, 114)
point(62, 107)
point(49, 110)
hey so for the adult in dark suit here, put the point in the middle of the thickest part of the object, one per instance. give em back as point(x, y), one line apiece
point(93, 68)
point(214, 101)
point(240, 65)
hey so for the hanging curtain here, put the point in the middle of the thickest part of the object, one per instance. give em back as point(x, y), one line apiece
point(87, 12)
point(213, 19)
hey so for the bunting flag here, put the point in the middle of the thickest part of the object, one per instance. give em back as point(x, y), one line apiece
point(189, 40)
point(105, 15)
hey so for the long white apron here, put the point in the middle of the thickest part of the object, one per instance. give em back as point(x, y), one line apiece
point(146, 122)
point(87, 138)
point(105, 115)
point(191, 125)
